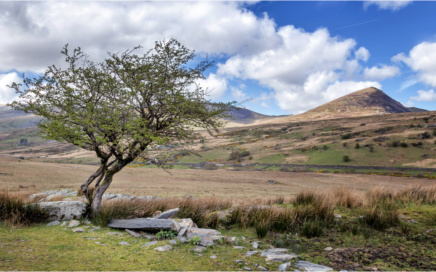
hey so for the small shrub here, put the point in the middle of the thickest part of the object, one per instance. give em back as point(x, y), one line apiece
point(262, 227)
point(395, 143)
point(344, 144)
point(284, 169)
point(346, 136)
point(235, 156)
point(245, 153)
point(404, 145)
point(357, 146)
point(346, 158)
point(162, 235)
point(195, 240)
point(426, 119)
point(381, 216)
point(210, 166)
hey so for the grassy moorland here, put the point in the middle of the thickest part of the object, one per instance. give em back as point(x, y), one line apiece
point(375, 230)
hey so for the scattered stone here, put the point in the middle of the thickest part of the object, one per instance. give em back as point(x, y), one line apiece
point(86, 222)
point(147, 224)
point(243, 238)
point(64, 224)
point(90, 238)
point(110, 196)
point(163, 248)
point(231, 239)
point(240, 261)
point(48, 195)
point(274, 250)
point(255, 245)
point(370, 268)
point(307, 266)
point(78, 230)
point(124, 243)
point(64, 210)
point(213, 257)
point(199, 249)
point(53, 223)
point(338, 216)
point(173, 242)
point(186, 223)
point(239, 247)
point(74, 223)
point(261, 268)
point(97, 243)
point(115, 233)
point(246, 268)
point(251, 253)
point(133, 233)
point(149, 244)
point(224, 216)
point(94, 228)
point(284, 266)
point(328, 249)
point(167, 214)
point(277, 255)
point(148, 235)
point(271, 181)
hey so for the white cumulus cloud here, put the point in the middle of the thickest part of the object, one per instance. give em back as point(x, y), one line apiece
point(427, 96)
point(380, 73)
point(387, 5)
point(421, 59)
point(7, 94)
point(362, 53)
point(215, 85)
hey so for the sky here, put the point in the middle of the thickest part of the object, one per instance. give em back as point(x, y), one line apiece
point(273, 57)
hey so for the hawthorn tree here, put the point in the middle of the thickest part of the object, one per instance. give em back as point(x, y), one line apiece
point(121, 107)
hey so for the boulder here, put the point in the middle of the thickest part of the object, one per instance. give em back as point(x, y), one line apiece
point(306, 266)
point(145, 224)
point(277, 255)
point(64, 210)
point(53, 223)
point(167, 214)
point(207, 236)
point(78, 230)
point(186, 223)
point(163, 248)
point(284, 266)
point(74, 223)
point(133, 233)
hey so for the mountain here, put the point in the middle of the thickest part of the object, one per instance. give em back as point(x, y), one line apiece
point(369, 101)
point(245, 116)
point(413, 109)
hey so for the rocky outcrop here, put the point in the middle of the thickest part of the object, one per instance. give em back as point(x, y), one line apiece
point(64, 210)
point(167, 214)
point(207, 236)
point(145, 224)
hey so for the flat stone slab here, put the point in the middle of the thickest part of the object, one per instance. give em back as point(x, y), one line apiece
point(307, 266)
point(199, 249)
point(167, 214)
point(78, 230)
point(280, 257)
point(133, 233)
point(149, 244)
point(207, 236)
point(53, 223)
point(64, 210)
point(145, 224)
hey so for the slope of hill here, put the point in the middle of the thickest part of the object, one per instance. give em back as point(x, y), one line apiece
point(11, 119)
point(414, 109)
point(245, 116)
point(369, 101)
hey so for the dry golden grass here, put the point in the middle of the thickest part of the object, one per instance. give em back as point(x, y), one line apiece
point(240, 186)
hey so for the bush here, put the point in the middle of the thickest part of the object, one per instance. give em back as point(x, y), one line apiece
point(344, 144)
point(346, 158)
point(312, 228)
point(284, 169)
point(210, 166)
point(404, 145)
point(235, 156)
point(381, 216)
point(357, 146)
point(262, 227)
point(395, 144)
point(245, 153)
point(346, 136)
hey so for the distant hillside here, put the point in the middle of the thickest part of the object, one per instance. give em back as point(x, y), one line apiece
point(244, 116)
point(413, 109)
point(11, 119)
point(369, 101)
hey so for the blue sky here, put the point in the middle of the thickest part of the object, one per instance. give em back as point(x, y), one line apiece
point(287, 56)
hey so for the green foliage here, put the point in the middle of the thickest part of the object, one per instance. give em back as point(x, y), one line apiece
point(395, 144)
point(162, 235)
point(195, 240)
point(262, 227)
point(346, 136)
point(404, 144)
point(122, 106)
point(357, 146)
point(346, 158)
point(312, 228)
point(381, 216)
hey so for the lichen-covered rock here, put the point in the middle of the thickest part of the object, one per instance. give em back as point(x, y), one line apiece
point(207, 236)
point(167, 214)
point(145, 224)
point(64, 210)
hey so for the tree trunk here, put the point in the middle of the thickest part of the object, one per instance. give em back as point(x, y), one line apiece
point(98, 195)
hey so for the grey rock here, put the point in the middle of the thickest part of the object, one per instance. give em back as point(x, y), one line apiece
point(280, 257)
point(167, 214)
point(74, 223)
point(123, 243)
point(271, 181)
point(338, 216)
point(328, 249)
point(53, 223)
point(90, 238)
point(255, 245)
point(251, 253)
point(213, 256)
point(163, 248)
point(240, 261)
point(307, 266)
point(64, 210)
point(273, 251)
point(224, 216)
point(284, 266)
point(199, 249)
point(243, 238)
point(173, 242)
point(146, 224)
point(207, 236)
point(261, 268)
point(133, 233)
point(115, 233)
point(246, 268)
point(64, 224)
point(231, 239)
point(94, 228)
point(78, 230)
point(86, 222)
point(186, 223)
point(48, 195)
point(239, 247)
point(148, 235)
point(149, 244)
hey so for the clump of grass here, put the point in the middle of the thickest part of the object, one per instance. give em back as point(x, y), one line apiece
point(312, 228)
point(262, 227)
point(347, 198)
point(381, 216)
point(16, 212)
